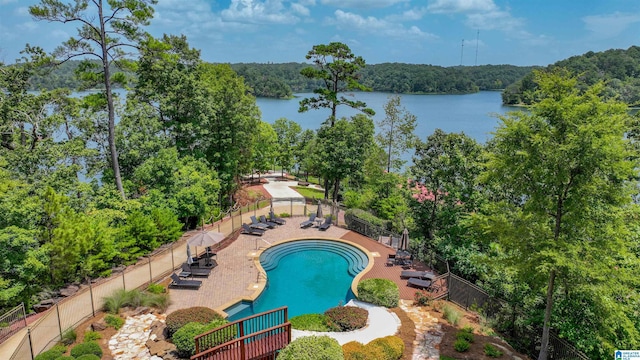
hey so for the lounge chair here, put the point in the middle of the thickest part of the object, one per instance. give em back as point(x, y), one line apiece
point(257, 224)
point(427, 275)
point(270, 224)
point(391, 259)
point(246, 229)
point(308, 223)
point(419, 283)
point(326, 224)
point(182, 283)
point(277, 220)
point(194, 271)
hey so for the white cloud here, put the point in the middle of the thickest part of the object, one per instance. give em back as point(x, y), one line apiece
point(494, 20)
point(459, 6)
point(408, 15)
point(300, 9)
point(373, 25)
point(5, 2)
point(362, 3)
point(258, 12)
point(609, 25)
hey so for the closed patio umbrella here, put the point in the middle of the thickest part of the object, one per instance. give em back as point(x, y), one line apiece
point(404, 240)
point(319, 211)
point(189, 257)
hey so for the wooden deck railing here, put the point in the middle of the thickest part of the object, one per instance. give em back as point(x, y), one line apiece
point(254, 337)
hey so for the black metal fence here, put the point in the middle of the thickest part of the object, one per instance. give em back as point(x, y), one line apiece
point(471, 297)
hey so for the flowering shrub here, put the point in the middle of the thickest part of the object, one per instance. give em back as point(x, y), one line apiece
point(180, 318)
point(346, 318)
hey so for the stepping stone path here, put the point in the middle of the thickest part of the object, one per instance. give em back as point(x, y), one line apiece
point(129, 343)
point(428, 332)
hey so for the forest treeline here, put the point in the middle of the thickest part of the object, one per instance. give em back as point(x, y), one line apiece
point(283, 80)
point(618, 68)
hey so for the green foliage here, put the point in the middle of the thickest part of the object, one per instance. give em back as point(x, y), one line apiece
point(183, 338)
point(422, 298)
point(461, 345)
point(310, 322)
point(156, 289)
point(346, 318)
point(395, 134)
point(492, 351)
point(181, 317)
point(65, 357)
point(451, 315)
point(312, 348)
point(114, 321)
point(381, 292)
point(52, 353)
point(444, 357)
point(90, 347)
point(465, 335)
point(310, 193)
point(392, 347)
point(68, 337)
point(91, 336)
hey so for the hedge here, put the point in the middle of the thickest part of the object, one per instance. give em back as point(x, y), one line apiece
point(312, 348)
point(381, 292)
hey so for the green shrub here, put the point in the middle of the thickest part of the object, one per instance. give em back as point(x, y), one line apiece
point(368, 217)
point(311, 322)
point(68, 337)
point(135, 298)
point(451, 314)
point(52, 354)
point(156, 289)
point(180, 318)
point(90, 347)
point(65, 357)
point(461, 345)
point(183, 338)
point(382, 292)
point(346, 318)
point(422, 298)
point(492, 351)
point(354, 350)
point(312, 348)
point(465, 335)
point(392, 347)
point(444, 357)
point(88, 357)
point(284, 215)
point(92, 335)
point(114, 321)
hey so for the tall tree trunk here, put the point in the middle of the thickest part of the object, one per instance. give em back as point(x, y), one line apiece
point(544, 342)
point(110, 109)
point(326, 189)
point(336, 189)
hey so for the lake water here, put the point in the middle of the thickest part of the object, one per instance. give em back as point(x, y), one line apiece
point(473, 114)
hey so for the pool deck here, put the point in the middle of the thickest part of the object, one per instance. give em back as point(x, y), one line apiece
point(236, 276)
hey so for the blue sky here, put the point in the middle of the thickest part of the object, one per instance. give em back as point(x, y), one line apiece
point(518, 32)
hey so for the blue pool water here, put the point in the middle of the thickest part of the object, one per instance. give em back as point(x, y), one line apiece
point(308, 276)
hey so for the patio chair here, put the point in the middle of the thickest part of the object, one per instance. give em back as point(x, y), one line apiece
point(194, 271)
point(270, 224)
point(419, 283)
point(257, 224)
point(308, 223)
point(246, 229)
point(391, 259)
point(326, 224)
point(277, 220)
point(182, 283)
point(426, 275)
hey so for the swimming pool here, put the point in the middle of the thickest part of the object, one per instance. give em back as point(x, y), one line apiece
point(308, 276)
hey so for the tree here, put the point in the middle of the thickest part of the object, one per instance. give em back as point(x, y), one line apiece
point(396, 132)
point(266, 147)
point(288, 132)
point(445, 170)
point(567, 163)
point(343, 149)
point(103, 36)
point(337, 67)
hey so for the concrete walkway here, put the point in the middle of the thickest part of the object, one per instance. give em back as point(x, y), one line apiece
point(381, 323)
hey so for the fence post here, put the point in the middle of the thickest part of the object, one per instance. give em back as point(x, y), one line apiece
point(30, 343)
point(255, 207)
point(124, 285)
point(150, 274)
point(24, 315)
point(59, 323)
point(232, 224)
point(93, 309)
point(291, 206)
point(173, 265)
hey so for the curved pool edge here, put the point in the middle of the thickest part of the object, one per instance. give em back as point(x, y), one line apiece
point(261, 283)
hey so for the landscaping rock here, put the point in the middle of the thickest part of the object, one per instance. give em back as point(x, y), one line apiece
point(158, 331)
point(98, 326)
point(43, 306)
point(160, 348)
point(69, 290)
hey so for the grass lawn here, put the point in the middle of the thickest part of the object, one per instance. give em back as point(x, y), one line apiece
point(309, 193)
